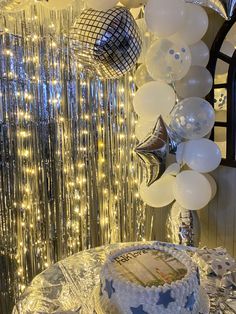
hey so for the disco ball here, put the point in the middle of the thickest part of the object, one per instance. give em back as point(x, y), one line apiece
point(109, 41)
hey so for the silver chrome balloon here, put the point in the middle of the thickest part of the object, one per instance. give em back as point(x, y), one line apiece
point(110, 41)
point(183, 226)
point(225, 8)
point(153, 150)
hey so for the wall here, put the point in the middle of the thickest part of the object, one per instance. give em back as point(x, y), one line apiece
point(218, 220)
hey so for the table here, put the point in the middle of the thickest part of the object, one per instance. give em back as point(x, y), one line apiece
point(67, 286)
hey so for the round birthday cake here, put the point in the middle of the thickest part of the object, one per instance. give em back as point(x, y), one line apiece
point(148, 279)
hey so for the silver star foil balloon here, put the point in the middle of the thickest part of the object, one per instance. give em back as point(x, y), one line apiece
point(153, 150)
point(225, 8)
point(109, 41)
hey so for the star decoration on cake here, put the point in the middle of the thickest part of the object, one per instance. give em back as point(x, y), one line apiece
point(190, 302)
point(138, 310)
point(165, 298)
point(109, 288)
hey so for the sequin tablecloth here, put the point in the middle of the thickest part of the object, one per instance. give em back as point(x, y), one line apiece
point(67, 287)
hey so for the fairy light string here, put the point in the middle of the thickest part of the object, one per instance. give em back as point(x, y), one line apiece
point(69, 175)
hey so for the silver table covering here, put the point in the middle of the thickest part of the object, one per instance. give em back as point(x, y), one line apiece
point(67, 287)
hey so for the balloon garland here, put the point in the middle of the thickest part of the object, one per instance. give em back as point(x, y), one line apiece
point(172, 81)
point(176, 59)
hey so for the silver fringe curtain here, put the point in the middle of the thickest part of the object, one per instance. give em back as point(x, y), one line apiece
point(68, 173)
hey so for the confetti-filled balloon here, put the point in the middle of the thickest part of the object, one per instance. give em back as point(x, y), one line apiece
point(196, 24)
point(200, 54)
point(153, 99)
point(133, 3)
point(168, 60)
point(14, 5)
point(192, 190)
point(165, 17)
point(193, 118)
point(225, 8)
point(197, 83)
point(101, 5)
point(109, 41)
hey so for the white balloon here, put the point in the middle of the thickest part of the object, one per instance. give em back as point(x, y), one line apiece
point(160, 193)
point(154, 99)
point(213, 185)
point(132, 3)
point(142, 76)
point(172, 170)
point(180, 153)
point(196, 24)
point(197, 82)
point(202, 155)
point(101, 5)
point(200, 54)
point(192, 190)
point(147, 39)
point(57, 4)
point(168, 59)
point(221, 66)
point(165, 17)
point(143, 128)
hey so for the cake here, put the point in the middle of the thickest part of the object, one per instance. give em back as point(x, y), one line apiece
point(148, 279)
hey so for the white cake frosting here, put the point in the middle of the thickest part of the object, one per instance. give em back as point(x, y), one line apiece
point(148, 279)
